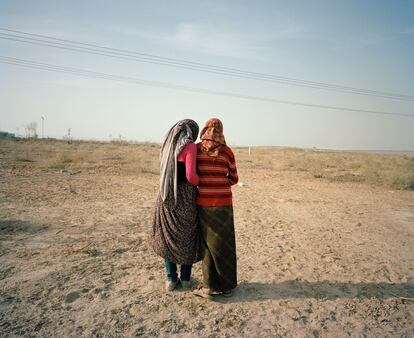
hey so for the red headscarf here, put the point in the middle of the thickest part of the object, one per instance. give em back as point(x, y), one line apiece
point(212, 137)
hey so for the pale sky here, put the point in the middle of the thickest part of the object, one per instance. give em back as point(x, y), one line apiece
point(362, 44)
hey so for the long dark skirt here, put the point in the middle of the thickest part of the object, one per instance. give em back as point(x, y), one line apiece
point(219, 247)
point(175, 233)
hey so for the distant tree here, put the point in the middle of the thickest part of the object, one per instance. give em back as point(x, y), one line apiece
point(68, 137)
point(31, 130)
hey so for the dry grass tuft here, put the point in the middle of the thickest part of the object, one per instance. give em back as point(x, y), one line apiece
point(23, 158)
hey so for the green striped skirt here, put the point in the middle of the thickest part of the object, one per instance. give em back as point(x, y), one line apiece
point(219, 247)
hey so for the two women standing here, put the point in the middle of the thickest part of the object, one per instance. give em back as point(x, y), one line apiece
point(191, 224)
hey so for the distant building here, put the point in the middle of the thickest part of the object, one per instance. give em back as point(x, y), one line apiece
point(5, 134)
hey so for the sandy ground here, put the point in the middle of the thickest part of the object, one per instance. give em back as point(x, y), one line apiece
point(315, 258)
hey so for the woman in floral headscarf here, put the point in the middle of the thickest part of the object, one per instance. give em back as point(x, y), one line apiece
point(217, 170)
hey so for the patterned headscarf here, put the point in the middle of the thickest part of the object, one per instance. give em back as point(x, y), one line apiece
point(179, 135)
point(212, 137)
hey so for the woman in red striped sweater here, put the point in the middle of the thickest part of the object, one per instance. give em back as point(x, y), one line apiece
point(217, 170)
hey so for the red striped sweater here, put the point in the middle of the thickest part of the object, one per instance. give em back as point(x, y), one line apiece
point(217, 175)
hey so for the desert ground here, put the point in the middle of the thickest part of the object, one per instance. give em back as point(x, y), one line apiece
point(324, 241)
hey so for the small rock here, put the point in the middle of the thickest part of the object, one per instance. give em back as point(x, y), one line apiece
point(71, 297)
point(75, 172)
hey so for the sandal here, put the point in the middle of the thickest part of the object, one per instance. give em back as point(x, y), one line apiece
point(170, 285)
point(186, 284)
point(227, 293)
point(202, 292)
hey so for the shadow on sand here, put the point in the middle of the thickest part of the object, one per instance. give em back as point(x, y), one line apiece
point(324, 290)
point(13, 227)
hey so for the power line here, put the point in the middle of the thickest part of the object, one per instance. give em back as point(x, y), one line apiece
point(194, 66)
point(112, 77)
point(48, 41)
point(190, 67)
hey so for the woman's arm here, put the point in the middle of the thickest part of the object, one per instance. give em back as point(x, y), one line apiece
point(232, 175)
point(191, 164)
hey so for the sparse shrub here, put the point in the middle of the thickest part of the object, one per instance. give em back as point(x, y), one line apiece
point(24, 158)
point(150, 167)
point(71, 158)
